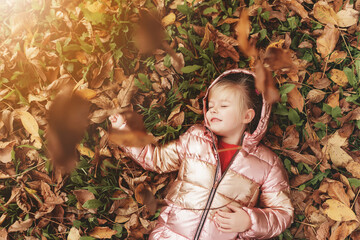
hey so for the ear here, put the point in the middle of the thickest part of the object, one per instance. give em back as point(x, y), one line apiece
point(249, 115)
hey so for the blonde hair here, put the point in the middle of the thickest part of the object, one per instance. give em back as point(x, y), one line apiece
point(242, 85)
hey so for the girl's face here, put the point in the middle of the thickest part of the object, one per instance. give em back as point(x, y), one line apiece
point(225, 115)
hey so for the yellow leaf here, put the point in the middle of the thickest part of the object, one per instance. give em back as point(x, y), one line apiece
point(121, 219)
point(95, 7)
point(86, 93)
point(102, 232)
point(29, 122)
point(338, 156)
point(324, 13)
point(339, 77)
point(74, 234)
point(85, 151)
point(338, 211)
point(168, 19)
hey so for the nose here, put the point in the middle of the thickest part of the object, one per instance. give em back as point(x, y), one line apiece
point(213, 110)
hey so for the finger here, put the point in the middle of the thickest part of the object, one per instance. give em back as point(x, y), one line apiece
point(222, 221)
point(224, 229)
point(234, 208)
point(223, 214)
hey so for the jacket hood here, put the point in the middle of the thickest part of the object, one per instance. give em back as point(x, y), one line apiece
point(250, 139)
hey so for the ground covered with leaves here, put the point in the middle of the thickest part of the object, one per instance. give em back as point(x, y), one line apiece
point(156, 58)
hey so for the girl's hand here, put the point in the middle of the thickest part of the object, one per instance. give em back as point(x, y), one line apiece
point(118, 121)
point(235, 220)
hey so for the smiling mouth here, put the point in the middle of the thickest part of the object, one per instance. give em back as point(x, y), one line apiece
point(215, 120)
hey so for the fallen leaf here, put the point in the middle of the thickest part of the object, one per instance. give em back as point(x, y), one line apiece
point(21, 226)
point(5, 151)
point(327, 41)
point(354, 168)
point(347, 17)
point(339, 77)
point(300, 179)
point(297, 7)
point(291, 140)
point(107, 65)
point(338, 156)
point(74, 234)
point(336, 191)
point(3, 234)
point(304, 158)
point(333, 99)
point(102, 232)
point(30, 124)
point(86, 93)
point(324, 13)
point(168, 19)
point(344, 230)
point(295, 99)
point(85, 151)
point(323, 232)
point(338, 211)
point(315, 96)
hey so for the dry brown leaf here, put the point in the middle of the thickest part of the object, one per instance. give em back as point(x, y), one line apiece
point(264, 83)
point(336, 191)
point(107, 65)
point(3, 234)
point(338, 156)
point(327, 41)
point(333, 99)
point(121, 219)
point(325, 13)
point(300, 179)
point(85, 151)
point(295, 99)
point(291, 140)
point(74, 234)
point(339, 77)
point(338, 211)
point(337, 56)
point(304, 158)
point(102, 232)
point(323, 231)
point(5, 151)
point(354, 168)
point(315, 96)
point(347, 17)
point(20, 226)
point(297, 7)
point(344, 230)
point(131, 138)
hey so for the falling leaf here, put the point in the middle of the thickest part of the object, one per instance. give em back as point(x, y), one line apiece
point(339, 77)
point(21, 226)
point(242, 30)
point(102, 232)
point(325, 13)
point(327, 41)
point(295, 99)
point(279, 59)
point(338, 211)
point(74, 234)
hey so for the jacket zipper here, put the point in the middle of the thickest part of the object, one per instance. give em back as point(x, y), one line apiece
point(213, 189)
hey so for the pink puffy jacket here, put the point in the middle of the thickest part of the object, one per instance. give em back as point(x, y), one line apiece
point(255, 180)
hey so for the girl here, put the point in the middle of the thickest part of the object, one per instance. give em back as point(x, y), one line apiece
point(229, 185)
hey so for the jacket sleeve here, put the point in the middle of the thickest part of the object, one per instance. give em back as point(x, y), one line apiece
point(274, 212)
point(161, 159)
